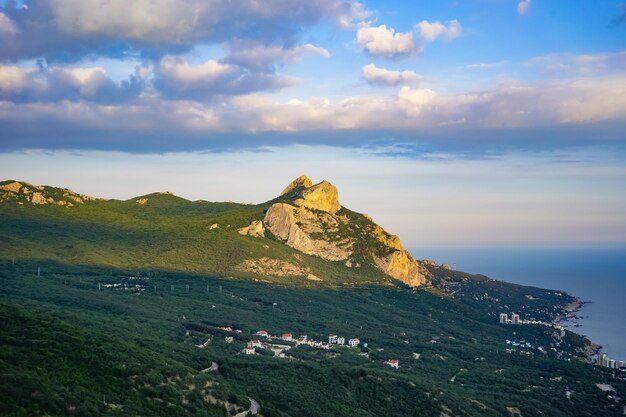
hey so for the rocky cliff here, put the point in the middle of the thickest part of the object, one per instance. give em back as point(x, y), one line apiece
point(23, 192)
point(309, 218)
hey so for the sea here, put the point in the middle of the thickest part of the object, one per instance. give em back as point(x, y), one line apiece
point(595, 275)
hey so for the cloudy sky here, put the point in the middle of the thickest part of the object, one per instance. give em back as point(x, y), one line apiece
point(469, 122)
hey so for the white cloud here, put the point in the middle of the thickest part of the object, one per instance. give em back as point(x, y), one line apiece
point(414, 100)
point(382, 76)
point(75, 28)
point(480, 66)
point(574, 106)
point(175, 78)
point(13, 79)
point(385, 42)
point(429, 31)
point(523, 7)
point(27, 84)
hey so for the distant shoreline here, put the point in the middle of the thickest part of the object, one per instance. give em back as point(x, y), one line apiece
point(591, 348)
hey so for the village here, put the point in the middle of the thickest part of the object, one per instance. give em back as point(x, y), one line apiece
point(278, 345)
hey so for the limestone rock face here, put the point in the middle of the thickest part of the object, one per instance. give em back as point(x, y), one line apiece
point(310, 220)
point(386, 239)
point(279, 219)
point(296, 225)
point(24, 192)
point(12, 186)
point(401, 266)
point(256, 229)
point(322, 196)
point(298, 184)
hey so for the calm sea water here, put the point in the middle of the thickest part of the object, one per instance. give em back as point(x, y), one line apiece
point(596, 275)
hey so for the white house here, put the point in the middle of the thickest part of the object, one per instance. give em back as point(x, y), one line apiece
point(393, 363)
point(332, 338)
point(228, 339)
point(256, 344)
point(341, 340)
point(354, 342)
point(249, 350)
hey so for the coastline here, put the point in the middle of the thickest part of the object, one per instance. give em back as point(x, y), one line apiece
point(591, 348)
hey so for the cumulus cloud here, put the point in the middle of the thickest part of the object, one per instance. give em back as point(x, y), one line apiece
point(71, 29)
point(386, 42)
point(429, 31)
point(175, 78)
point(66, 83)
point(382, 76)
point(523, 7)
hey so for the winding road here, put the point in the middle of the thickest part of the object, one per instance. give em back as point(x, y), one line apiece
point(254, 409)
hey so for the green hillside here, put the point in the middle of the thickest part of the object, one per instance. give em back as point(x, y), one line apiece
point(165, 232)
point(69, 348)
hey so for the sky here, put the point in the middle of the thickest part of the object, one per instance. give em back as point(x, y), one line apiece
point(465, 123)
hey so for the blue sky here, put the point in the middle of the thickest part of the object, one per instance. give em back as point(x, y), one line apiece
point(452, 91)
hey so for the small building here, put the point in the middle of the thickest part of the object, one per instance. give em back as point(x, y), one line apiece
point(332, 339)
point(262, 333)
point(416, 355)
point(504, 318)
point(515, 318)
point(228, 339)
point(249, 350)
point(256, 344)
point(302, 339)
point(288, 337)
point(393, 363)
point(226, 329)
point(354, 342)
point(341, 340)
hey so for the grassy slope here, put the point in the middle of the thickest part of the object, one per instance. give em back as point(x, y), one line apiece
point(167, 232)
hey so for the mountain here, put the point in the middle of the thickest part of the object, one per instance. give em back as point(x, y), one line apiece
point(264, 241)
point(153, 306)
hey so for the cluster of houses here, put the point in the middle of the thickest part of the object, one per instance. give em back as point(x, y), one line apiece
point(270, 342)
point(333, 339)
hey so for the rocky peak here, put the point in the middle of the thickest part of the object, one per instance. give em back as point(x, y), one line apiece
point(322, 196)
point(308, 220)
point(297, 185)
